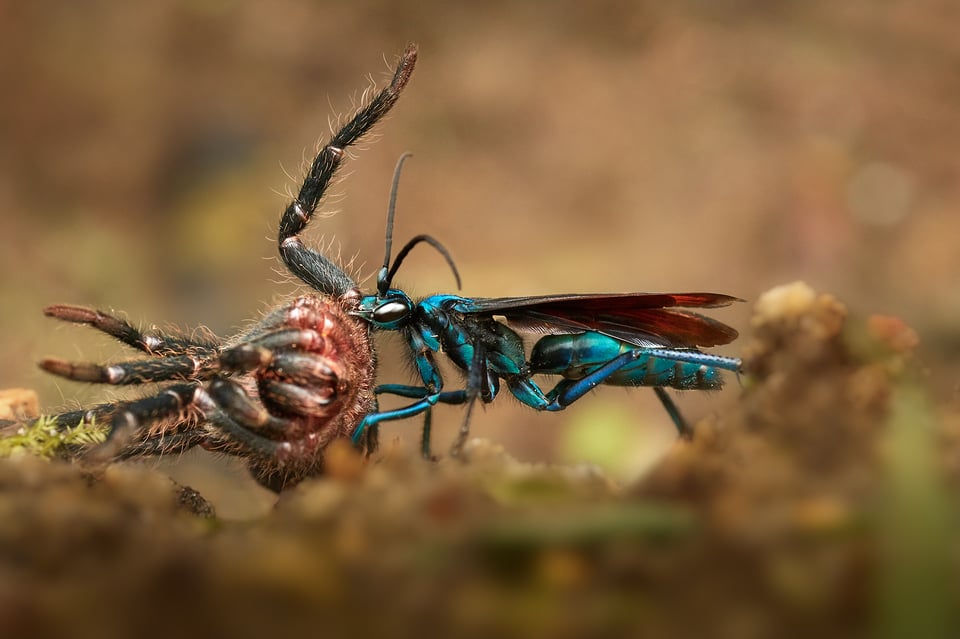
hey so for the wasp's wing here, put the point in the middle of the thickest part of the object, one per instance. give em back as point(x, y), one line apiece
point(643, 319)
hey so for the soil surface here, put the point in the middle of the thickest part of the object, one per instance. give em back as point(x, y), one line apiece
point(822, 503)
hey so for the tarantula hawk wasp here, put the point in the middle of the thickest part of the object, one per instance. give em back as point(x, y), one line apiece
point(622, 339)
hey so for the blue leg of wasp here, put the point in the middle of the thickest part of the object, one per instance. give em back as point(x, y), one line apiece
point(428, 401)
point(682, 426)
point(369, 441)
point(419, 392)
point(374, 419)
point(695, 357)
point(683, 429)
point(425, 436)
point(476, 376)
point(431, 390)
point(569, 391)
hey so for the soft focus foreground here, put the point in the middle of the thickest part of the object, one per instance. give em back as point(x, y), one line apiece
point(823, 503)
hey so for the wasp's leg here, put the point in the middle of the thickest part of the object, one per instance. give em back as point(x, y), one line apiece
point(432, 388)
point(683, 428)
point(426, 436)
point(419, 392)
point(686, 356)
point(479, 383)
point(374, 419)
point(568, 391)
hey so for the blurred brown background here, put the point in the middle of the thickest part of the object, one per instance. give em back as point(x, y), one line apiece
point(577, 147)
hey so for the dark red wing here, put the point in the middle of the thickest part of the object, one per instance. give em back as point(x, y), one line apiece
point(644, 319)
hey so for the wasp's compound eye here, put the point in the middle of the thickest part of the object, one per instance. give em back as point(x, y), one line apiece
point(391, 312)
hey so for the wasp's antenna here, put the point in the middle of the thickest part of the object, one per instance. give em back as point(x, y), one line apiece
point(409, 246)
point(385, 274)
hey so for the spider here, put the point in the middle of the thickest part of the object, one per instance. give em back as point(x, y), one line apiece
point(277, 394)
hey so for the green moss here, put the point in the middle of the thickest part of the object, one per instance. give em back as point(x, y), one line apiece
point(43, 438)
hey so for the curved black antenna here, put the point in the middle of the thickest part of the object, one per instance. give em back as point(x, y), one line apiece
point(383, 277)
point(409, 246)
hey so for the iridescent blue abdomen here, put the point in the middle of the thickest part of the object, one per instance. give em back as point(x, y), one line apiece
point(576, 356)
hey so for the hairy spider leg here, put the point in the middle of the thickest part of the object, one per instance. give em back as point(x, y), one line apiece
point(130, 417)
point(164, 444)
point(306, 263)
point(123, 419)
point(139, 371)
point(74, 418)
point(256, 353)
point(239, 435)
point(153, 343)
point(311, 385)
point(235, 403)
point(176, 357)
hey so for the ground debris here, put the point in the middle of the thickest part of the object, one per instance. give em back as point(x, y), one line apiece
point(785, 516)
point(18, 404)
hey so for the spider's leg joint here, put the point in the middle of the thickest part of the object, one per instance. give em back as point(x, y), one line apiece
point(152, 342)
point(204, 402)
point(299, 212)
point(123, 421)
point(177, 396)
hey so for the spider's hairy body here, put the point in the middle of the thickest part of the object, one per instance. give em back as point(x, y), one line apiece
point(279, 392)
point(328, 385)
